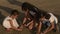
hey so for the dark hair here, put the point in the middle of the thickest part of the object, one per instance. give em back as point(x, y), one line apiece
point(42, 13)
point(48, 16)
point(39, 13)
point(14, 12)
point(28, 6)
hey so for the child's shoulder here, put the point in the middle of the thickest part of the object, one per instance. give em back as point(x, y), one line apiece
point(8, 17)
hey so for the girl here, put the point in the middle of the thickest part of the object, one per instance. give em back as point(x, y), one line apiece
point(10, 21)
point(52, 24)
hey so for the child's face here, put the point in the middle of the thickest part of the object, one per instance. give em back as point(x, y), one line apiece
point(43, 18)
point(26, 12)
point(15, 16)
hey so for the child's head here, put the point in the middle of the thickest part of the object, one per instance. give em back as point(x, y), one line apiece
point(48, 16)
point(43, 15)
point(27, 6)
point(14, 13)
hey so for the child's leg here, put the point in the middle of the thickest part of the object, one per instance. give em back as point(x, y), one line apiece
point(8, 29)
point(31, 25)
point(39, 28)
point(57, 28)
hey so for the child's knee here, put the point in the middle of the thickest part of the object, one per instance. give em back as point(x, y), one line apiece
point(30, 27)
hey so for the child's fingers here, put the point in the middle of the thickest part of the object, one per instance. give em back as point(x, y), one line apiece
point(25, 25)
point(42, 33)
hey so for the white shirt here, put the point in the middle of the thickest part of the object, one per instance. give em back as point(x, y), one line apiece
point(53, 18)
point(7, 24)
point(32, 13)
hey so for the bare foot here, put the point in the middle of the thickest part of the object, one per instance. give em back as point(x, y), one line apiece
point(19, 29)
point(8, 30)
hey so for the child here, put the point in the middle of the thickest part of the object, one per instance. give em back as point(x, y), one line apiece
point(33, 14)
point(30, 13)
point(51, 22)
point(10, 21)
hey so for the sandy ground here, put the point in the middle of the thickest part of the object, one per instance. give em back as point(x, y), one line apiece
point(47, 5)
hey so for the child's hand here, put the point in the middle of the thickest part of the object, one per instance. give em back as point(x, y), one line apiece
point(21, 26)
point(19, 29)
point(24, 25)
point(14, 28)
point(42, 33)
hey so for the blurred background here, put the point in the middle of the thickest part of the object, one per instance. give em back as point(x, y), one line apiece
point(7, 5)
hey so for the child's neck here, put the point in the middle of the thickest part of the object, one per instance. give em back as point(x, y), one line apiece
point(12, 17)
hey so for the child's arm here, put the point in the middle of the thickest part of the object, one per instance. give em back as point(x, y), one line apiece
point(29, 23)
point(26, 16)
point(39, 28)
point(49, 28)
point(11, 23)
point(24, 20)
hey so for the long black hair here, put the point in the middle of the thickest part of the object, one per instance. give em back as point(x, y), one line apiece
point(39, 13)
point(29, 6)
